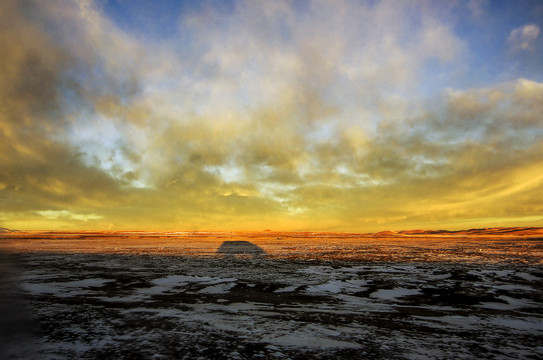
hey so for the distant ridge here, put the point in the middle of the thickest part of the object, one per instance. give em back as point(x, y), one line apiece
point(512, 231)
point(495, 231)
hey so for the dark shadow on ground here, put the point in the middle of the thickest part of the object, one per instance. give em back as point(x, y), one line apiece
point(16, 325)
point(240, 248)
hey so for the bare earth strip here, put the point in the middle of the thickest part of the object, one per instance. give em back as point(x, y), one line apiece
point(333, 246)
point(249, 295)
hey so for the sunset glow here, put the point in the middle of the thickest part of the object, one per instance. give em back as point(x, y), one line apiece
point(285, 115)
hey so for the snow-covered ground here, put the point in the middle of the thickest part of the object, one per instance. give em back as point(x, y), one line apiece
point(74, 306)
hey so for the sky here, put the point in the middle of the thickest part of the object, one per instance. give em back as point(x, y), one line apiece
point(285, 115)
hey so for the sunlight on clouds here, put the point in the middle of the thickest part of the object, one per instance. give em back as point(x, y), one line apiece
point(56, 214)
point(321, 114)
point(523, 37)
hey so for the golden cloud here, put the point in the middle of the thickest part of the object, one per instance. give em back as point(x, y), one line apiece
point(249, 129)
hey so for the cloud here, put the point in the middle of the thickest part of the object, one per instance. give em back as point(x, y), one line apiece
point(477, 8)
point(39, 168)
point(303, 116)
point(523, 38)
point(55, 214)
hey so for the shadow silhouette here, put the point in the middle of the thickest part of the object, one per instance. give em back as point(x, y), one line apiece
point(240, 248)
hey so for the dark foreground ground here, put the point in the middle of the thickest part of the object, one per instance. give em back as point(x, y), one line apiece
point(233, 306)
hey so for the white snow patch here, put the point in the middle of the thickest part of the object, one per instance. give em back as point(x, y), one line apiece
point(179, 280)
point(182, 280)
point(533, 326)
point(514, 287)
point(308, 341)
point(393, 294)
point(236, 307)
point(287, 289)
point(94, 282)
point(167, 283)
point(153, 290)
point(456, 321)
point(528, 277)
point(217, 289)
point(511, 304)
point(36, 289)
point(125, 299)
point(339, 286)
point(503, 273)
point(334, 287)
point(318, 270)
point(439, 276)
point(77, 287)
